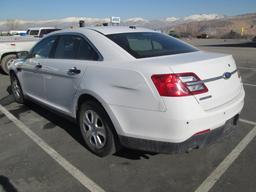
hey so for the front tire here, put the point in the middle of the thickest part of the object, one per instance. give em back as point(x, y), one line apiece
point(97, 129)
point(16, 89)
point(6, 61)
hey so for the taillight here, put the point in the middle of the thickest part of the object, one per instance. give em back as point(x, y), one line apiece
point(179, 84)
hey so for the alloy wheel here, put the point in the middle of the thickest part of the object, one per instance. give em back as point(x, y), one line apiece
point(16, 89)
point(94, 129)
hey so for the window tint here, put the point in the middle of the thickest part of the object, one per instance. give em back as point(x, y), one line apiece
point(148, 44)
point(46, 31)
point(86, 52)
point(34, 32)
point(67, 47)
point(143, 44)
point(74, 47)
point(44, 47)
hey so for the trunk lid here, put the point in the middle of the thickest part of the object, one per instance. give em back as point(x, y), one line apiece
point(218, 71)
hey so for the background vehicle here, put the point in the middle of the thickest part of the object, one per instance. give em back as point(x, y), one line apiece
point(203, 36)
point(41, 31)
point(9, 50)
point(17, 33)
point(11, 46)
point(132, 86)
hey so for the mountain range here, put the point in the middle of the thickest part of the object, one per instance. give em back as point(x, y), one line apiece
point(213, 24)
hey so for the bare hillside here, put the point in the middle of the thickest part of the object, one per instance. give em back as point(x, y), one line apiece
point(244, 24)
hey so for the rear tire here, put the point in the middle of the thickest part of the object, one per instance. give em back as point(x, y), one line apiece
point(6, 61)
point(97, 129)
point(16, 89)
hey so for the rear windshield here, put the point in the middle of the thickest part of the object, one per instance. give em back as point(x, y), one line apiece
point(150, 44)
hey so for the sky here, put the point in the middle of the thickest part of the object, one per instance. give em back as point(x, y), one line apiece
point(148, 9)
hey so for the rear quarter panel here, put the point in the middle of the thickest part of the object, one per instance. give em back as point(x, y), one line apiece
point(119, 87)
point(123, 87)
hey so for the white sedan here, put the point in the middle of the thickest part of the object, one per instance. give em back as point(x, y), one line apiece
point(133, 87)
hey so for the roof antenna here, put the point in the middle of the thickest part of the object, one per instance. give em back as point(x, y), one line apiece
point(81, 23)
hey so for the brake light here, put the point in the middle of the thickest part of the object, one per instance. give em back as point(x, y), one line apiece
point(180, 84)
point(203, 132)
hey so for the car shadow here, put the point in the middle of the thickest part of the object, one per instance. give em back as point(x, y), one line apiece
point(242, 45)
point(6, 185)
point(133, 154)
point(1, 71)
point(57, 120)
point(9, 99)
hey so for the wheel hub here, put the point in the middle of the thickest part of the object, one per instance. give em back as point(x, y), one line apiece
point(16, 89)
point(94, 129)
point(9, 62)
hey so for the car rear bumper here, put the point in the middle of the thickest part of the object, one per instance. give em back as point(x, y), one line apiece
point(194, 142)
point(179, 123)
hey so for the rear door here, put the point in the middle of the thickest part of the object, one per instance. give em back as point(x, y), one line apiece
point(64, 72)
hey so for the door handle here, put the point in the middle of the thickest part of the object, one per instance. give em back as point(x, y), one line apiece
point(38, 66)
point(74, 70)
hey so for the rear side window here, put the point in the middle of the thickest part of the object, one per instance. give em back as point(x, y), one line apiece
point(86, 52)
point(74, 47)
point(150, 44)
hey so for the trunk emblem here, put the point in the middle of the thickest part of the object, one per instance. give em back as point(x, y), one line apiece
point(227, 75)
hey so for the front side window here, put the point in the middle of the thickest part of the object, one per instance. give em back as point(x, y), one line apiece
point(150, 44)
point(43, 48)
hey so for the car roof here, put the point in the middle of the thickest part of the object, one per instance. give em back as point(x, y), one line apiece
point(106, 30)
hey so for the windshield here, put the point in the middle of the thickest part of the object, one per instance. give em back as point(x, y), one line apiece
point(150, 44)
